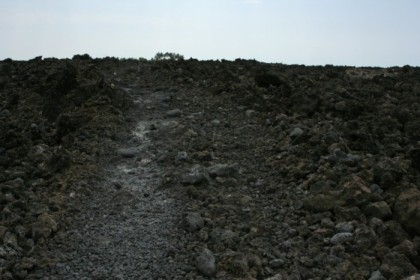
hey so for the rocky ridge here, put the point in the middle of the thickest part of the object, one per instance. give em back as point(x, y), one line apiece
point(284, 172)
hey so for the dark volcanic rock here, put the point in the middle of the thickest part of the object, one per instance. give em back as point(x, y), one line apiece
point(407, 209)
point(206, 263)
point(327, 186)
point(193, 222)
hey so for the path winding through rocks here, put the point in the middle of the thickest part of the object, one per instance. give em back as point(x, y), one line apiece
point(128, 228)
point(277, 184)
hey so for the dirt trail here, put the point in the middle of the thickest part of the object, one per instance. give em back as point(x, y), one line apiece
point(128, 228)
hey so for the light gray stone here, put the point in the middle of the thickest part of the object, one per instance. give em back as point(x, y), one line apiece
point(206, 263)
point(174, 113)
point(296, 132)
point(344, 227)
point(223, 170)
point(197, 175)
point(128, 152)
point(182, 156)
point(377, 275)
point(341, 237)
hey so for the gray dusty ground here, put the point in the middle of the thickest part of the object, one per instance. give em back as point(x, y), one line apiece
point(128, 229)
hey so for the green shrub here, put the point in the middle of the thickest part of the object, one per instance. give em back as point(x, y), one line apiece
point(168, 56)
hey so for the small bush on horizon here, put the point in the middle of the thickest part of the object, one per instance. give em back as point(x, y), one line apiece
point(81, 57)
point(168, 56)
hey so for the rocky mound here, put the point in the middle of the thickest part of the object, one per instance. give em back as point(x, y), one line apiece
point(327, 170)
point(285, 172)
point(56, 118)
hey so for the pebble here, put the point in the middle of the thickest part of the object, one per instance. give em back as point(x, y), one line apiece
point(197, 175)
point(223, 170)
point(128, 152)
point(276, 263)
point(5, 113)
point(376, 188)
point(377, 275)
point(249, 113)
point(206, 263)
point(341, 238)
point(175, 113)
point(407, 209)
point(340, 106)
point(275, 277)
point(193, 222)
point(406, 248)
point(378, 210)
point(344, 227)
point(296, 132)
point(182, 156)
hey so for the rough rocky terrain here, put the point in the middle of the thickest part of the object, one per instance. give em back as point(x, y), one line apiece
point(132, 169)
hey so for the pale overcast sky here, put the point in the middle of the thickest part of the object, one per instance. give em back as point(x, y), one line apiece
point(311, 32)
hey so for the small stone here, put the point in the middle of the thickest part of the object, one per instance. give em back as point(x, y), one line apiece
point(344, 227)
point(175, 113)
point(276, 263)
point(355, 192)
point(193, 222)
point(215, 122)
point(3, 230)
point(340, 106)
point(320, 203)
point(182, 156)
point(44, 226)
point(240, 263)
point(128, 152)
point(375, 188)
point(413, 277)
point(392, 233)
point(379, 210)
point(275, 277)
point(341, 237)
point(10, 240)
point(407, 248)
point(396, 266)
point(377, 275)
point(249, 113)
point(5, 113)
point(202, 235)
point(407, 210)
point(203, 156)
point(351, 160)
point(376, 223)
point(197, 175)
point(296, 132)
point(206, 263)
point(327, 223)
point(254, 261)
point(223, 170)
point(219, 235)
point(347, 213)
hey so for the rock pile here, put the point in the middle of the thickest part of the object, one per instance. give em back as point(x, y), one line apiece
point(55, 119)
point(284, 172)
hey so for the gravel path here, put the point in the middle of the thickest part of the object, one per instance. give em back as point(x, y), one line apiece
point(128, 227)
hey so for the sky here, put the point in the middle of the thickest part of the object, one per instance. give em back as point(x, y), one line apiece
point(311, 32)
